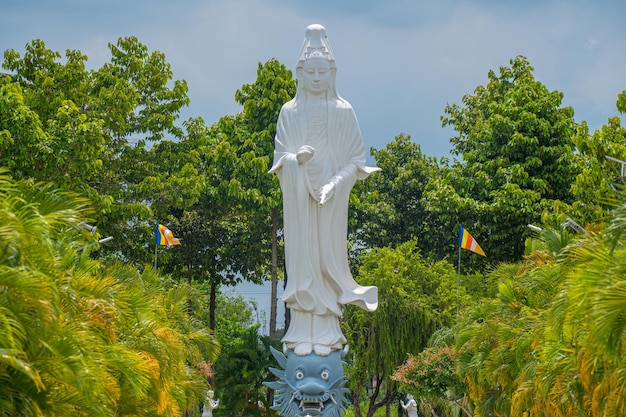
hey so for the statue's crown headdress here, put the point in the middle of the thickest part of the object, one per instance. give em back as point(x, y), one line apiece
point(315, 45)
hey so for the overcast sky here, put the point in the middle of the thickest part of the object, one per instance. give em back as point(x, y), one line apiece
point(399, 61)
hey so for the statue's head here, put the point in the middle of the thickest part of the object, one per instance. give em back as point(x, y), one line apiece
point(316, 52)
point(316, 46)
point(210, 393)
point(309, 385)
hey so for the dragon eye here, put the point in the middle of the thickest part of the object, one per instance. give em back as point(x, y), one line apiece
point(325, 375)
point(299, 375)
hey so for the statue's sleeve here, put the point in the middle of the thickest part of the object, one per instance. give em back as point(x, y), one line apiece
point(351, 141)
point(284, 148)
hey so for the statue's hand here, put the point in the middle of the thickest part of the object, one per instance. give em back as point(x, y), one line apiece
point(305, 153)
point(326, 193)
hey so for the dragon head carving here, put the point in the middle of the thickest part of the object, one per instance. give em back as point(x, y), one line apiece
point(310, 385)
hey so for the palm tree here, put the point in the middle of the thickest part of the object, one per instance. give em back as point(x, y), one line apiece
point(243, 370)
point(500, 339)
point(44, 369)
point(589, 318)
point(552, 341)
point(81, 338)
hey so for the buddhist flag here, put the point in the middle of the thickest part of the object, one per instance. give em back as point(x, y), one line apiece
point(164, 236)
point(466, 241)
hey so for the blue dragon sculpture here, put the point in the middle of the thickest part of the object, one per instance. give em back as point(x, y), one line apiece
point(310, 385)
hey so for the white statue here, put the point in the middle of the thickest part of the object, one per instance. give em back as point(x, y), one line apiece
point(319, 155)
point(410, 406)
point(210, 404)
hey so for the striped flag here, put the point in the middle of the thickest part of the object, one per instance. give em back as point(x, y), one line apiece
point(466, 241)
point(164, 236)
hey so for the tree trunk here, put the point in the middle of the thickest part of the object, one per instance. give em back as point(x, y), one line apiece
point(287, 311)
point(355, 404)
point(212, 303)
point(274, 301)
point(373, 405)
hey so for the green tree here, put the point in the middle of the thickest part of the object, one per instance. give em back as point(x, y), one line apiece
point(38, 347)
point(599, 179)
point(515, 141)
point(216, 228)
point(262, 102)
point(93, 130)
point(621, 102)
point(234, 316)
point(140, 105)
point(242, 371)
point(41, 122)
point(389, 209)
point(416, 297)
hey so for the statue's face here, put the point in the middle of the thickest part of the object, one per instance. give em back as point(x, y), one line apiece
point(315, 75)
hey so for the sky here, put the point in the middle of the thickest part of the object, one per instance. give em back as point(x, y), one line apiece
point(399, 62)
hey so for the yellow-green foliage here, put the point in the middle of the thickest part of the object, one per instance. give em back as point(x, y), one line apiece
point(552, 341)
point(82, 338)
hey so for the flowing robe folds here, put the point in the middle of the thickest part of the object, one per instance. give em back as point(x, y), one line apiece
point(319, 278)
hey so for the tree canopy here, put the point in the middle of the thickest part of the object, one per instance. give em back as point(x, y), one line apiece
point(515, 141)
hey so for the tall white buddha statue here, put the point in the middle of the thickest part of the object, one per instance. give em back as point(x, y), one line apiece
point(318, 157)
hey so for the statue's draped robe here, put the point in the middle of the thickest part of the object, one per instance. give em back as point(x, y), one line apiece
point(319, 280)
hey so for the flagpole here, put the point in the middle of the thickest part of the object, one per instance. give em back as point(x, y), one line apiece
point(156, 244)
point(458, 293)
